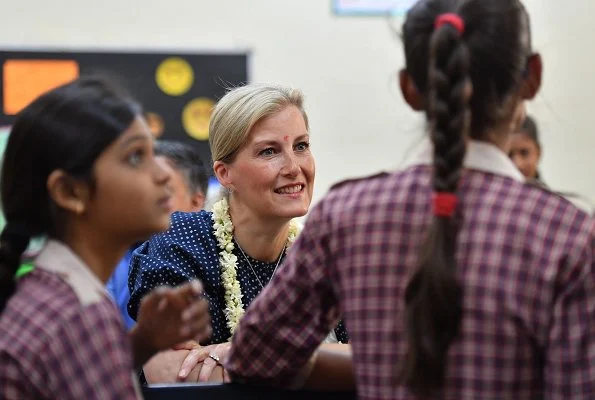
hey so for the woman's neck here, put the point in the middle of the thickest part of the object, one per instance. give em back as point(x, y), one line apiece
point(262, 239)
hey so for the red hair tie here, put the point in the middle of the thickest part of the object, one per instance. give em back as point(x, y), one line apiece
point(444, 204)
point(451, 19)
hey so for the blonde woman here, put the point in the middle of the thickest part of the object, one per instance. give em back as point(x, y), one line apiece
point(260, 145)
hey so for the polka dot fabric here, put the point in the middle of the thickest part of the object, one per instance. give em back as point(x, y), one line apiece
point(189, 250)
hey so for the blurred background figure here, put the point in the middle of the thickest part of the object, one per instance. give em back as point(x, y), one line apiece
point(525, 152)
point(189, 182)
point(525, 149)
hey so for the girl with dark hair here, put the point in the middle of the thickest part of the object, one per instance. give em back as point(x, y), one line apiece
point(456, 278)
point(525, 149)
point(525, 152)
point(79, 169)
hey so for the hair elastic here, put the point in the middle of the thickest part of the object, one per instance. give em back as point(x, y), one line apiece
point(451, 19)
point(444, 204)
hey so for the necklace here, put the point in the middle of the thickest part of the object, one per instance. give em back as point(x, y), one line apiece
point(252, 268)
point(223, 231)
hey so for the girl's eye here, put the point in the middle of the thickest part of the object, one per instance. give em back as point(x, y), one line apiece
point(135, 158)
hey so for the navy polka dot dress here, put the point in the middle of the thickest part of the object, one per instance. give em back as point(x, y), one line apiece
point(189, 250)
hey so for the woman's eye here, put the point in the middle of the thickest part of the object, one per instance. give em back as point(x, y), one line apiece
point(267, 152)
point(302, 146)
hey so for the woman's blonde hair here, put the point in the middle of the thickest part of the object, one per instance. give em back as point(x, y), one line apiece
point(236, 113)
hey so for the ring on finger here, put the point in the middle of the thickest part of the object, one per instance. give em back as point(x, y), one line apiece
point(215, 357)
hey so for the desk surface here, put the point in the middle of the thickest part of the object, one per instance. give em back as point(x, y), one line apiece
point(235, 392)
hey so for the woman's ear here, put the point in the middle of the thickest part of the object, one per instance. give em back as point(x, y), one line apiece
point(410, 92)
point(67, 193)
point(223, 173)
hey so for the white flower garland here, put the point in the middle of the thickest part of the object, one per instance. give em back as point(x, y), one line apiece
point(223, 230)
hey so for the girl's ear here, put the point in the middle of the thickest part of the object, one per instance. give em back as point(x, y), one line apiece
point(532, 82)
point(68, 194)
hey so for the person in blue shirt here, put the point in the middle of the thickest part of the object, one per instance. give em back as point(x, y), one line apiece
point(189, 185)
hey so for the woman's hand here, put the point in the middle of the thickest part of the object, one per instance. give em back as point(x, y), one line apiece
point(211, 369)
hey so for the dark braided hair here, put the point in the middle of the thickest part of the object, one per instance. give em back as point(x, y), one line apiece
point(465, 77)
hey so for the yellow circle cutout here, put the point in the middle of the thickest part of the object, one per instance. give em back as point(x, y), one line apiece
point(174, 76)
point(196, 117)
point(155, 123)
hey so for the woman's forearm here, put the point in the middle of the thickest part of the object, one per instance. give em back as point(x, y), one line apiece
point(331, 369)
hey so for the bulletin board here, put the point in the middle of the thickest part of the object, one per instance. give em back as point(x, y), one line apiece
point(177, 90)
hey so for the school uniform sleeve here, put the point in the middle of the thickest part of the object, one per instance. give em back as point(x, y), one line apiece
point(570, 363)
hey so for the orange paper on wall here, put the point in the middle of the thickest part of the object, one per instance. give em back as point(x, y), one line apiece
point(25, 80)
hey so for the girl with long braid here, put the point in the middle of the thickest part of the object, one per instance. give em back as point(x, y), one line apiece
point(456, 279)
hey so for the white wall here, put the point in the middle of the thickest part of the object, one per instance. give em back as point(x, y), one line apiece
point(346, 66)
